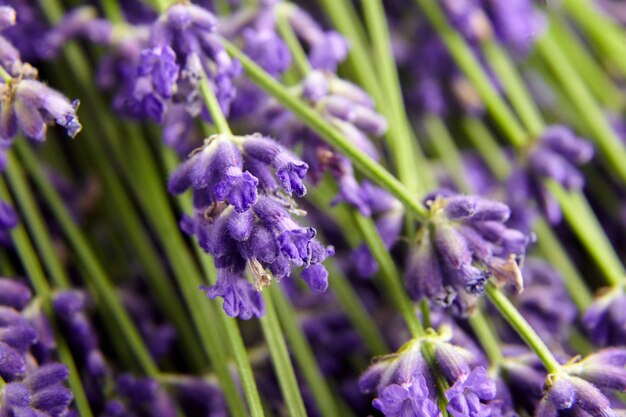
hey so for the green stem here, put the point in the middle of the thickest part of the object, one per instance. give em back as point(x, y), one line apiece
point(6, 77)
point(354, 309)
point(345, 19)
point(35, 222)
point(588, 110)
point(389, 274)
point(469, 64)
point(487, 146)
point(589, 69)
point(280, 359)
point(303, 353)
point(96, 274)
point(407, 156)
point(514, 86)
point(219, 120)
point(286, 32)
point(313, 120)
point(446, 149)
point(605, 33)
point(590, 233)
point(488, 338)
point(522, 328)
point(553, 251)
point(36, 275)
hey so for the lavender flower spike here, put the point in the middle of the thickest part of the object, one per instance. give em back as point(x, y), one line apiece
point(31, 105)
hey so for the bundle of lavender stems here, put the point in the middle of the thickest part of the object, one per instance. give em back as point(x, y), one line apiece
point(401, 208)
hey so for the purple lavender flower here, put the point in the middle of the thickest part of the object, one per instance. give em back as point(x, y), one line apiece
point(216, 172)
point(70, 307)
point(8, 220)
point(410, 398)
point(183, 49)
point(405, 385)
point(13, 293)
point(605, 319)
point(29, 105)
point(464, 242)
point(141, 394)
point(40, 393)
point(466, 397)
point(553, 157)
point(516, 23)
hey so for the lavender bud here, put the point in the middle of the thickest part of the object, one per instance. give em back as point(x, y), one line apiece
point(13, 293)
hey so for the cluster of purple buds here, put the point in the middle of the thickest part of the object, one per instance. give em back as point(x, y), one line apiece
point(405, 385)
point(183, 49)
point(31, 388)
point(579, 387)
point(139, 397)
point(242, 188)
point(605, 318)
point(463, 244)
point(70, 307)
point(350, 110)
point(553, 157)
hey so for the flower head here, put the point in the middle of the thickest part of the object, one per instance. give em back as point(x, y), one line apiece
point(464, 242)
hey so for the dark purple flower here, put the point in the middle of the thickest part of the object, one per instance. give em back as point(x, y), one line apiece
point(464, 242)
point(408, 399)
point(241, 299)
point(517, 23)
point(554, 157)
point(466, 398)
point(605, 319)
point(13, 293)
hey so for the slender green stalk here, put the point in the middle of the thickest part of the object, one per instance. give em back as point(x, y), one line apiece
point(446, 149)
point(588, 110)
point(488, 338)
point(354, 309)
point(286, 32)
point(553, 251)
point(389, 274)
point(303, 353)
point(219, 120)
point(522, 328)
point(313, 120)
point(345, 19)
point(406, 155)
point(487, 146)
point(281, 361)
point(514, 86)
point(462, 54)
point(35, 222)
point(575, 206)
point(36, 275)
point(590, 70)
point(96, 275)
point(606, 34)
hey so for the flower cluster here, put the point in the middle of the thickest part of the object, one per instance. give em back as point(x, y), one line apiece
point(464, 243)
point(241, 191)
point(405, 385)
point(553, 157)
point(32, 387)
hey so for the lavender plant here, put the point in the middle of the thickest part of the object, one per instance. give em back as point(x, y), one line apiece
point(312, 208)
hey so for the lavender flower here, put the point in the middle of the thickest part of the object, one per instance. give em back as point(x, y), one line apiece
point(8, 220)
point(553, 157)
point(405, 386)
point(464, 242)
point(605, 320)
